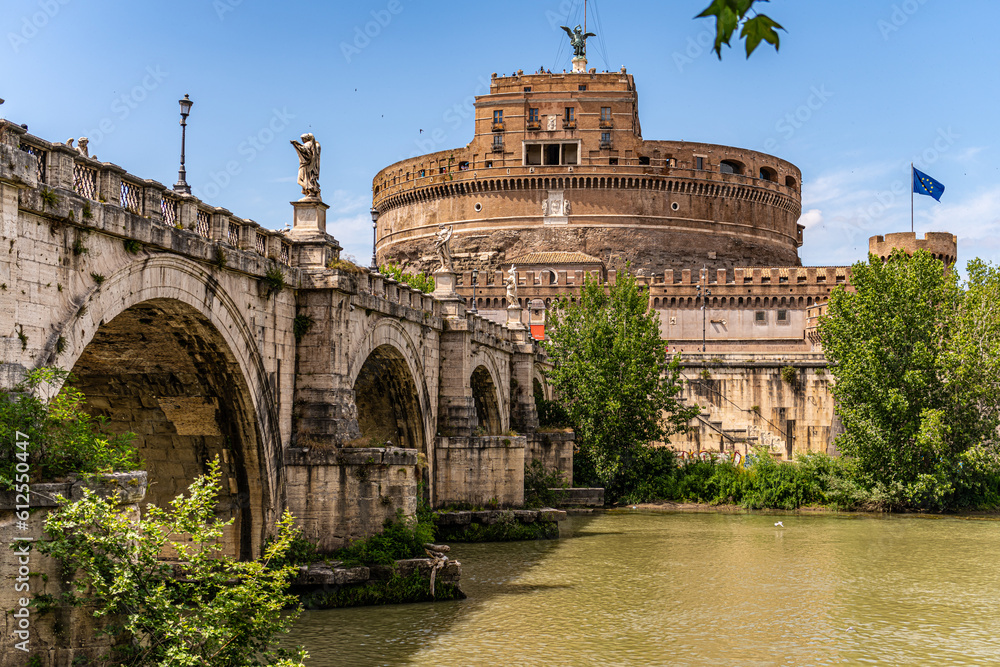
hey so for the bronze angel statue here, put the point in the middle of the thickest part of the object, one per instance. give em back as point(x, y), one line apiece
point(579, 40)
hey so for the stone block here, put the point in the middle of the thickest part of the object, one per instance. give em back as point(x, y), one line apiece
point(548, 515)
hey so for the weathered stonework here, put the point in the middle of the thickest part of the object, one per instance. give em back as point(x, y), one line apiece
point(479, 470)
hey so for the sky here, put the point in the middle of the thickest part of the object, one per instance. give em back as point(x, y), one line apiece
point(858, 91)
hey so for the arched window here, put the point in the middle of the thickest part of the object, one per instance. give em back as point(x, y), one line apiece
point(790, 182)
point(768, 174)
point(730, 167)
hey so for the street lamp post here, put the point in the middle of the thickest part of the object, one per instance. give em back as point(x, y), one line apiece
point(375, 214)
point(181, 185)
point(702, 293)
point(475, 275)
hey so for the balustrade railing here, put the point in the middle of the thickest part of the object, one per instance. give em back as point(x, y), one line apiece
point(131, 197)
point(233, 234)
point(286, 254)
point(169, 209)
point(201, 223)
point(260, 244)
point(85, 181)
point(41, 158)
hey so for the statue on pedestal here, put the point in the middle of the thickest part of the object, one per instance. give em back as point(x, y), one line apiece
point(512, 288)
point(441, 240)
point(578, 40)
point(308, 152)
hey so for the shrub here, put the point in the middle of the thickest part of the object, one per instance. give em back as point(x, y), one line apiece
point(420, 281)
point(401, 538)
point(789, 374)
point(62, 438)
point(542, 486)
point(274, 281)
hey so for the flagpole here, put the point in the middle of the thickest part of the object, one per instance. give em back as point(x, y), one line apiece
point(911, 197)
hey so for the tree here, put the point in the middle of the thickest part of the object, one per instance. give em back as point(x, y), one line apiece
point(731, 14)
point(612, 373)
point(914, 358)
point(211, 610)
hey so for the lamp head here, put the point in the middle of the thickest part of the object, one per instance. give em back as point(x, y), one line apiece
point(185, 105)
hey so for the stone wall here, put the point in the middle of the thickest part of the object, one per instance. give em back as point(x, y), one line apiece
point(746, 402)
point(554, 449)
point(480, 470)
point(342, 495)
point(65, 634)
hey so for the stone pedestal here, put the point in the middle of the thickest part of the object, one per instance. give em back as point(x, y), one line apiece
point(514, 318)
point(579, 65)
point(444, 291)
point(309, 218)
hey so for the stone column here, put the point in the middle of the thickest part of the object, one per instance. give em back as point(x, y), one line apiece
point(523, 415)
point(456, 407)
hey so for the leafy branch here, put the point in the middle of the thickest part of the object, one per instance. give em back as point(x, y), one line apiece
point(731, 14)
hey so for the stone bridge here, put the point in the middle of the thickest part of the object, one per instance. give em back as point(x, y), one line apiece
point(322, 388)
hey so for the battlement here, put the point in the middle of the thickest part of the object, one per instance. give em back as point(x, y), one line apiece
point(941, 245)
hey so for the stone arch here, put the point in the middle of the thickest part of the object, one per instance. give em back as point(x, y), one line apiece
point(387, 401)
point(485, 395)
point(396, 365)
point(165, 352)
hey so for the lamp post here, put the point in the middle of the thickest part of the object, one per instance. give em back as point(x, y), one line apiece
point(702, 293)
point(181, 185)
point(475, 275)
point(375, 214)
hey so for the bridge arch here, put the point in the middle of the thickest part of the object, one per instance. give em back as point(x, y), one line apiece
point(163, 351)
point(486, 396)
point(390, 388)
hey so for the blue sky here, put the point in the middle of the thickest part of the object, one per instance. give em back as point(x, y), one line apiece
point(858, 90)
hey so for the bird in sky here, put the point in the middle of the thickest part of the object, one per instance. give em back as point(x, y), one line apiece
point(780, 524)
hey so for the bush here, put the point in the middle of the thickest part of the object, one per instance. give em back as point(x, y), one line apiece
point(61, 437)
point(222, 612)
point(419, 281)
point(401, 538)
point(541, 486)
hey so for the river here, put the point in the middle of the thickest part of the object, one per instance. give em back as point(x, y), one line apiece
point(646, 588)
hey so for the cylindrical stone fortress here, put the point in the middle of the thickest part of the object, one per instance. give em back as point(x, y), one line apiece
point(558, 162)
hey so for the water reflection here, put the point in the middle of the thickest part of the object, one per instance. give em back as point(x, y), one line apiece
point(691, 589)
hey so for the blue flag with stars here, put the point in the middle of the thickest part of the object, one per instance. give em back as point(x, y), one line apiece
point(925, 185)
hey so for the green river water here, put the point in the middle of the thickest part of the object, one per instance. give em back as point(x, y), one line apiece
point(644, 588)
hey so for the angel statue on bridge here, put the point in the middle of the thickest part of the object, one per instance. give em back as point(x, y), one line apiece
point(512, 288)
point(308, 152)
point(579, 40)
point(441, 240)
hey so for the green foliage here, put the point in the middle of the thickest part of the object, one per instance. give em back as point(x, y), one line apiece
point(49, 198)
point(789, 374)
point(301, 326)
point(551, 414)
point(274, 281)
point(60, 344)
point(132, 246)
point(62, 437)
point(299, 551)
point(400, 538)
point(87, 215)
point(98, 278)
point(22, 337)
point(79, 248)
point(420, 281)
point(542, 486)
point(612, 373)
point(221, 258)
point(506, 529)
point(731, 14)
point(915, 361)
point(344, 265)
point(220, 612)
point(395, 590)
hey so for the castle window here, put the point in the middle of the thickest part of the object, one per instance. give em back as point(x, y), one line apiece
point(463, 166)
point(730, 167)
point(782, 280)
point(613, 161)
point(498, 116)
point(789, 182)
point(527, 89)
point(489, 164)
point(643, 160)
point(497, 143)
point(533, 115)
point(582, 87)
point(605, 140)
point(699, 162)
point(782, 315)
point(423, 173)
point(533, 154)
point(768, 174)
point(760, 317)
point(605, 113)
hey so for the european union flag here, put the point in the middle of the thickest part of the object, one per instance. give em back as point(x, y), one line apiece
point(925, 185)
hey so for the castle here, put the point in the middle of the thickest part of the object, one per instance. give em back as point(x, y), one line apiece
point(559, 182)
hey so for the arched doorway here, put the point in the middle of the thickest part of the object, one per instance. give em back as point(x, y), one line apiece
point(161, 370)
point(388, 406)
point(484, 394)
